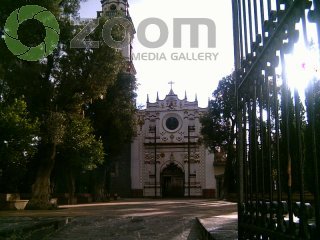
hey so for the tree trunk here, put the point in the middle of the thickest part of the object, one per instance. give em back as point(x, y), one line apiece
point(71, 187)
point(229, 174)
point(41, 188)
point(100, 183)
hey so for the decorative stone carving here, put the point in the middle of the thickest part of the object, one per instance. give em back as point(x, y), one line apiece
point(179, 139)
point(164, 139)
point(172, 145)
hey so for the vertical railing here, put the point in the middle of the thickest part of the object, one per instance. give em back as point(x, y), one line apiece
point(278, 119)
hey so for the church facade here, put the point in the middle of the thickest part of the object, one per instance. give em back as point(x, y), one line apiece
point(167, 156)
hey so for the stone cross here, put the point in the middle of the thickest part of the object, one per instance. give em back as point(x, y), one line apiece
point(171, 83)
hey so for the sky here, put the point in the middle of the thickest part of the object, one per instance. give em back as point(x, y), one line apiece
point(194, 70)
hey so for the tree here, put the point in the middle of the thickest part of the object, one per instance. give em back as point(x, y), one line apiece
point(80, 76)
point(218, 127)
point(18, 143)
point(113, 121)
point(113, 116)
point(55, 87)
point(80, 151)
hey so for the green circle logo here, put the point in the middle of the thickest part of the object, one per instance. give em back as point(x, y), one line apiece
point(50, 24)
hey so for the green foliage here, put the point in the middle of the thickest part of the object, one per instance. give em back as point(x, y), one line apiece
point(113, 116)
point(56, 91)
point(218, 124)
point(84, 75)
point(113, 120)
point(54, 129)
point(80, 149)
point(80, 152)
point(18, 142)
point(218, 127)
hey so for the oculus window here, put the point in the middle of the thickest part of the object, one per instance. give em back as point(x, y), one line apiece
point(172, 123)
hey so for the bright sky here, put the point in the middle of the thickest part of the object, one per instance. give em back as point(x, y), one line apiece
point(194, 76)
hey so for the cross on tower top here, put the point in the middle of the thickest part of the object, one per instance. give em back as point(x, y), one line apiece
point(171, 83)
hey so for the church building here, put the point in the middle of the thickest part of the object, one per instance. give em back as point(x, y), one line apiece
point(167, 156)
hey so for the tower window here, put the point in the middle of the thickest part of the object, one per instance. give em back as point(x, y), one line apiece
point(113, 7)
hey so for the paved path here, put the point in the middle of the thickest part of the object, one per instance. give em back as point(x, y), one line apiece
point(133, 219)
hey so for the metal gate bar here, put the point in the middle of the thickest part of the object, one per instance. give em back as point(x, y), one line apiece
point(277, 144)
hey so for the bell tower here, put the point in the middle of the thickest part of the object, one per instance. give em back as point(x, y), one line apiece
point(120, 8)
point(115, 5)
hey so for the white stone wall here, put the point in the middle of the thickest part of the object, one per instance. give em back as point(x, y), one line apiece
point(172, 147)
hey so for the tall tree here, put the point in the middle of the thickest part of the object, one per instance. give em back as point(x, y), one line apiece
point(18, 143)
point(218, 127)
point(80, 151)
point(57, 86)
point(113, 121)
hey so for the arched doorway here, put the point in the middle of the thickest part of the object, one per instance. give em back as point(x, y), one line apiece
point(172, 181)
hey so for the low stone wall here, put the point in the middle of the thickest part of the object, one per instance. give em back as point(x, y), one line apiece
point(16, 204)
point(12, 201)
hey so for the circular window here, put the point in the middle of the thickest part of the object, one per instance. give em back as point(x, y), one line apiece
point(113, 7)
point(172, 123)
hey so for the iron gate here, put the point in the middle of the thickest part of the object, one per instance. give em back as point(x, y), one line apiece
point(278, 124)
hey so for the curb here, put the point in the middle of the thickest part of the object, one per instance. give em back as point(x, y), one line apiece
point(204, 234)
point(217, 228)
